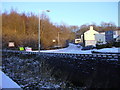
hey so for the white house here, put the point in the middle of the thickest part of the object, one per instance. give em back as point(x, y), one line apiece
point(89, 37)
point(92, 37)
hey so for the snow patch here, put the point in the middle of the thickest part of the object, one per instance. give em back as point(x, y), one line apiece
point(6, 82)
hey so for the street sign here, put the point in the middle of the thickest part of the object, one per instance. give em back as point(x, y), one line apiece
point(11, 44)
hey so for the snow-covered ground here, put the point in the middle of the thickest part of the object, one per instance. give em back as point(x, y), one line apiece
point(72, 48)
point(6, 82)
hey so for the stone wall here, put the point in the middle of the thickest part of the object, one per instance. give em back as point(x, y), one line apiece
point(34, 70)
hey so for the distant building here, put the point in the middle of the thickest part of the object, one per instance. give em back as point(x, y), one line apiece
point(89, 37)
point(100, 38)
point(78, 38)
point(118, 38)
point(78, 41)
point(116, 33)
point(109, 36)
point(92, 37)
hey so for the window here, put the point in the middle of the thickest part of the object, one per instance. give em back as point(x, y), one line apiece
point(100, 40)
point(114, 33)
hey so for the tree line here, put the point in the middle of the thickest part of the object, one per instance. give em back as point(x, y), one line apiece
point(22, 29)
point(104, 26)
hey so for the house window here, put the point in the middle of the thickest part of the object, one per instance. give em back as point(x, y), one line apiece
point(114, 33)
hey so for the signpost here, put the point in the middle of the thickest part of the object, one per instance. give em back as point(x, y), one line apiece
point(11, 44)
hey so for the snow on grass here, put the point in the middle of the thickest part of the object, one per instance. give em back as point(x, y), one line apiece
point(72, 48)
point(109, 50)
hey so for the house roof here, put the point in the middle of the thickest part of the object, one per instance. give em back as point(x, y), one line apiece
point(91, 29)
point(100, 30)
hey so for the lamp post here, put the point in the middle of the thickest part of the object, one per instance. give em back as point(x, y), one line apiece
point(39, 29)
point(58, 39)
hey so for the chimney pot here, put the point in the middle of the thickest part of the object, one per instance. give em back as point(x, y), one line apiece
point(91, 27)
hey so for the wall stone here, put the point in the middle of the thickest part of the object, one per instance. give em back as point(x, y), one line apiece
point(76, 72)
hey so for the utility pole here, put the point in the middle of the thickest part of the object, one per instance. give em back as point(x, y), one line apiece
point(83, 40)
point(58, 38)
point(39, 29)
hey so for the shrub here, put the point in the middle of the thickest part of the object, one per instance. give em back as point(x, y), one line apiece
point(108, 45)
point(117, 44)
point(101, 46)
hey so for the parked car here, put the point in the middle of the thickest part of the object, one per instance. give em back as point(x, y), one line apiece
point(88, 47)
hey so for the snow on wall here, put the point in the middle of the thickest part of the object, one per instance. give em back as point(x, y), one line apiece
point(81, 68)
point(6, 82)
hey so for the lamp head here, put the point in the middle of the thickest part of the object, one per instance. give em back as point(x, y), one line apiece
point(48, 10)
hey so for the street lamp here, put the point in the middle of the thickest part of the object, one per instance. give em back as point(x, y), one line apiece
point(39, 29)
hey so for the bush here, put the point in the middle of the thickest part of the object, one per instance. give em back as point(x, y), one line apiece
point(101, 46)
point(88, 47)
point(117, 44)
point(108, 45)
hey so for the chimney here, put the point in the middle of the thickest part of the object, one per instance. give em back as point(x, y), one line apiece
point(91, 27)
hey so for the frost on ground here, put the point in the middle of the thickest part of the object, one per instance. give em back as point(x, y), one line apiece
point(30, 73)
point(36, 72)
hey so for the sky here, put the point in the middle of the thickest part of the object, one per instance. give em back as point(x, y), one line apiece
point(70, 13)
